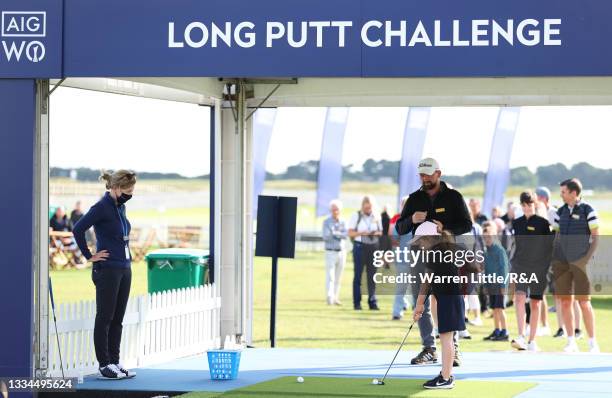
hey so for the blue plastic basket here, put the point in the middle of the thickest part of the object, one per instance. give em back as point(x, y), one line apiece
point(223, 364)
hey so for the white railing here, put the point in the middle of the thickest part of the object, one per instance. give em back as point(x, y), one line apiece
point(157, 327)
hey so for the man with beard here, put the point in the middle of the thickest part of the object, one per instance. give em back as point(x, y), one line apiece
point(444, 206)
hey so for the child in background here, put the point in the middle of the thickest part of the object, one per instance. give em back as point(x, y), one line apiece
point(496, 263)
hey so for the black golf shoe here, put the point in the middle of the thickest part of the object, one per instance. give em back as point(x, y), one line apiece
point(438, 383)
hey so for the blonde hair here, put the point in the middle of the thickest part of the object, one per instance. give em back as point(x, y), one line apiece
point(123, 179)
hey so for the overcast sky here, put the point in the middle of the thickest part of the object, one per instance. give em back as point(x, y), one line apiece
point(97, 130)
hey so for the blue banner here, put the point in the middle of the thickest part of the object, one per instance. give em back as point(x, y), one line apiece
point(415, 132)
point(330, 165)
point(498, 174)
point(308, 38)
point(263, 124)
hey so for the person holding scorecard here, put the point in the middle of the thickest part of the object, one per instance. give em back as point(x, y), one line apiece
point(111, 272)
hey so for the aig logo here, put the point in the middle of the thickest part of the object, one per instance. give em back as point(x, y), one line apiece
point(18, 29)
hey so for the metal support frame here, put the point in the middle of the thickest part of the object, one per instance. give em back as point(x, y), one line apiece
point(41, 230)
point(240, 205)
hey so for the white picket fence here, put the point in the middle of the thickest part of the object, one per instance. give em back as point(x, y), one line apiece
point(157, 327)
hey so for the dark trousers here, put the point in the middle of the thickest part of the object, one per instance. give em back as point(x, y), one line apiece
point(112, 293)
point(363, 257)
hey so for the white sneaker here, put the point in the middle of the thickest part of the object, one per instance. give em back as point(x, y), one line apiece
point(519, 343)
point(532, 346)
point(465, 334)
point(476, 321)
point(594, 347)
point(571, 346)
point(543, 331)
point(110, 372)
point(128, 373)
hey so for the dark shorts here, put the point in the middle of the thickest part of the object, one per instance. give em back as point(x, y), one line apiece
point(451, 313)
point(496, 301)
point(535, 290)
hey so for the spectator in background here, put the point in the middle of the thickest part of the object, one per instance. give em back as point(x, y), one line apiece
point(532, 235)
point(76, 213)
point(577, 227)
point(334, 236)
point(509, 216)
point(543, 195)
point(496, 263)
point(365, 230)
point(496, 212)
point(401, 301)
point(385, 239)
point(59, 222)
point(475, 298)
point(507, 232)
point(75, 216)
point(475, 208)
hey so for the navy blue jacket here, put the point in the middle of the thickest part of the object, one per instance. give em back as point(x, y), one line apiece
point(104, 217)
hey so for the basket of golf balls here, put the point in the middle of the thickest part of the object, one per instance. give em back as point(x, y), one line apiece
point(223, 364)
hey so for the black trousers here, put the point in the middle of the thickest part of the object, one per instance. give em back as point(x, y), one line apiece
point(363, 257)
point(112, 293)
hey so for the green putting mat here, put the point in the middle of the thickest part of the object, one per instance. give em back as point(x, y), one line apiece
point(320, 387)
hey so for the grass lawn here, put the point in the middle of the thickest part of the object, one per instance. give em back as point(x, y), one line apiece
point(357, 387)
point(304, 320)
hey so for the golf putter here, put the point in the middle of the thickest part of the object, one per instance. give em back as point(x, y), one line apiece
point(382, 381)
point(59, 348)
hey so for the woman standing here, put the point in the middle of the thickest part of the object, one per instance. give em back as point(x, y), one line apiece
point(111, 273)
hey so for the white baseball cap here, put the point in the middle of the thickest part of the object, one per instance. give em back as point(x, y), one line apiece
point(428, 166)
point(427, 228)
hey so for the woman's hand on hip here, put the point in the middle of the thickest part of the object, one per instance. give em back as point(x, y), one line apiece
point(102, 255)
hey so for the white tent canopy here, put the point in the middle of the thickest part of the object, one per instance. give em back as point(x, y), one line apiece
point(372, 91)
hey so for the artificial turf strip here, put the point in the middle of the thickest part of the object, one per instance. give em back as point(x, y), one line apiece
point(336, 387)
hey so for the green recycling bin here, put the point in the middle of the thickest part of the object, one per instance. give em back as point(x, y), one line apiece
point(170, 269)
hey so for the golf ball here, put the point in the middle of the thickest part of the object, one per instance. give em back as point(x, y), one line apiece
point(375, 381)
point(300, 379)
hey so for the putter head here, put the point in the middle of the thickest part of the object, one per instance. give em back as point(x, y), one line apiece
point(381, 383)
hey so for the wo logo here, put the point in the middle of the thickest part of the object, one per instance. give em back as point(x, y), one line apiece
point(18, 29)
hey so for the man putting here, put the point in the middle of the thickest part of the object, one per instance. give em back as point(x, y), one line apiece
point(445, 207)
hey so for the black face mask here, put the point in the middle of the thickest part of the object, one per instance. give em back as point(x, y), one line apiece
point(123, 198)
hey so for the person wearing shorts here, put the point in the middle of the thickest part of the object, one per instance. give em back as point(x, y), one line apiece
point(496, 264)
point(533, 249)
point(448, 295)
point(577, 227)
